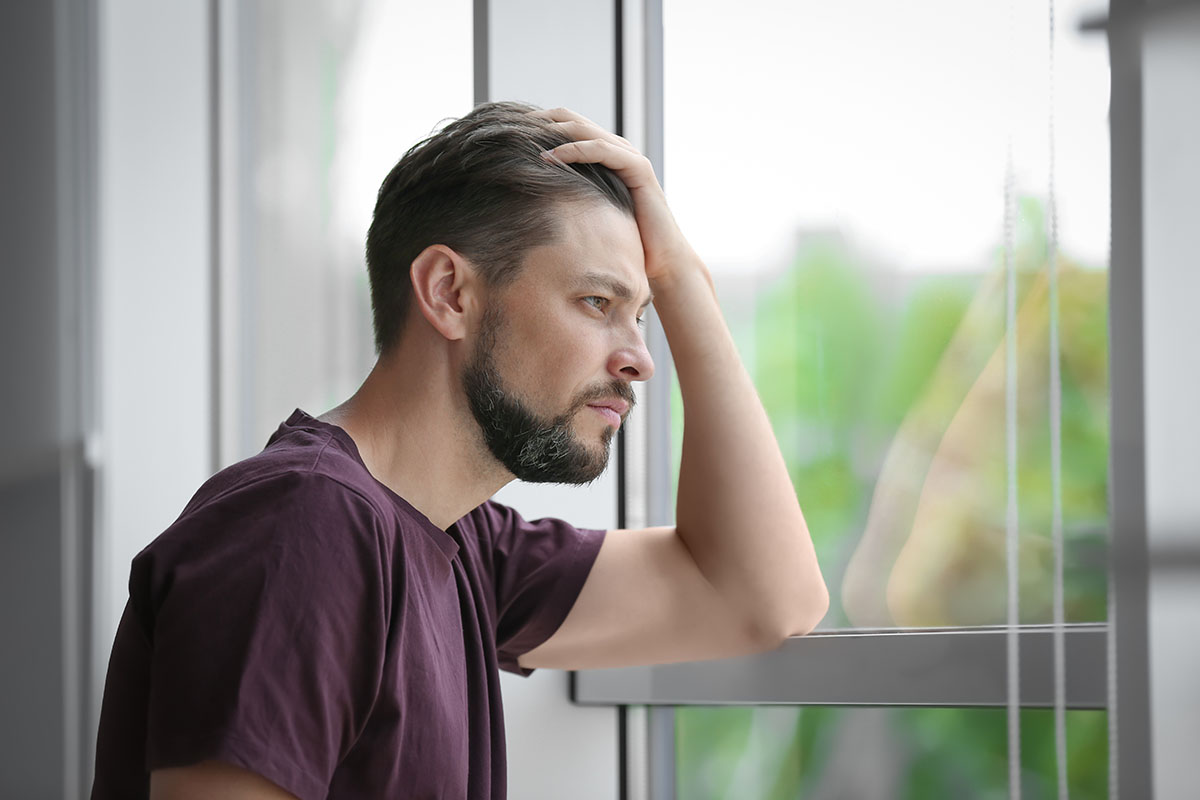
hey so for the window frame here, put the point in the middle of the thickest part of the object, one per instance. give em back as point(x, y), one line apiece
point(930, 667)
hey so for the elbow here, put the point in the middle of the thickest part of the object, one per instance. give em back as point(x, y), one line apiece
point(801, 608)
point(815, 611)
point(799, 617)
point(806, 613)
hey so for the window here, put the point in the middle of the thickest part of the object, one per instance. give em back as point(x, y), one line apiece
point(322, 104)
point(788, 752)
point(860, 177)
point(855, 223)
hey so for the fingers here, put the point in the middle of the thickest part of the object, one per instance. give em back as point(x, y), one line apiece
point(593, 145)
point(582, 131)
point(633, 168)
point(579, 127)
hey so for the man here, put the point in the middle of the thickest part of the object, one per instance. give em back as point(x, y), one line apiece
point(327, 618)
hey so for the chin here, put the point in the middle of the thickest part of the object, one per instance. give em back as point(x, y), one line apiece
point(603, 443)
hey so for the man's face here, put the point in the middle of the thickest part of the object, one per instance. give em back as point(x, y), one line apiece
point(549, 377)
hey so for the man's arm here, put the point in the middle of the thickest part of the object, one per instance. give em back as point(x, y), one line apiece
point(738, 573)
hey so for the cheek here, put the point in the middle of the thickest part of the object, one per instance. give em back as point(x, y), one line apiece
point(552, 367)
point(552, 350)
point(553, 343)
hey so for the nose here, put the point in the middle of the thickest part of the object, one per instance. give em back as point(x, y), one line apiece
point(632, 361)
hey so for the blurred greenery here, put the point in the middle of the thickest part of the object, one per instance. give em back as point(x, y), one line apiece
point(886, 392)
point(906, 753)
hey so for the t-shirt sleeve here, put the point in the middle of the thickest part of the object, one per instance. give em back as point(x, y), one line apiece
point(539, 568)
point(266, 613)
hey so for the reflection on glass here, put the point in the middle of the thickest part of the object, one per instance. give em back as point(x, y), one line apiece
point(856, 242)
point(822, 753)
point(887, 394)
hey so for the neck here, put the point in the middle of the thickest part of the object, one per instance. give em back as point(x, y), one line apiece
point(415, 432)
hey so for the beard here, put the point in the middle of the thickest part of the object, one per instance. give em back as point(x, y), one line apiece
point(533, 448)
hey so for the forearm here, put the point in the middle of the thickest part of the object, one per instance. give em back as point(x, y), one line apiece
point(736, 509)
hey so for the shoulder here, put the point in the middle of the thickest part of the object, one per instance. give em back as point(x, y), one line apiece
point(273, 504)
point(298, 463)
point(309, 476)
point(291, 544)
point(265, 521)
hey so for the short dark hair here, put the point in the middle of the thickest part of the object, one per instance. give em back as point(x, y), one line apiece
point(481, 187)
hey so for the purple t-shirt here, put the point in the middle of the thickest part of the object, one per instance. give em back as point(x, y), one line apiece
point(301, 620)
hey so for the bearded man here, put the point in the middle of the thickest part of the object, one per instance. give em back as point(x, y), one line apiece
point(327, 618)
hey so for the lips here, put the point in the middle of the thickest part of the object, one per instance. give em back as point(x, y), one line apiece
point(613, 411)
point(618, 406)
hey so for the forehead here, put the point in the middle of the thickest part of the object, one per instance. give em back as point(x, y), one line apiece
point(597, 244)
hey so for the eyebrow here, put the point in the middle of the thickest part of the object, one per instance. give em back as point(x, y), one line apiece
point(615, 287)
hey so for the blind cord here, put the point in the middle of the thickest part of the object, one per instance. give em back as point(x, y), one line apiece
point(1012, 544)
point(1111, 610)
point(1056, 527)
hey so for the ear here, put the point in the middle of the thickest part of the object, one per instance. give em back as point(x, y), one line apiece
point(444, 289)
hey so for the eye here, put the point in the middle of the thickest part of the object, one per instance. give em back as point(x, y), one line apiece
point(641, 322)
point(597, 302)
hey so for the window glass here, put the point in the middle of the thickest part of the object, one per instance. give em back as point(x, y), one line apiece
point(841, 167)
point(778, 752)
point(329, 101)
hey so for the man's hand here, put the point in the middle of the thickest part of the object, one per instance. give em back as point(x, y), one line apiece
point(666, 249)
